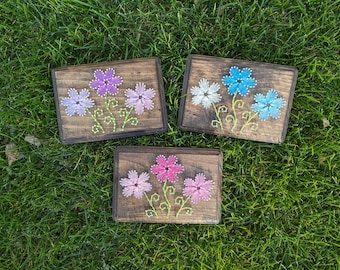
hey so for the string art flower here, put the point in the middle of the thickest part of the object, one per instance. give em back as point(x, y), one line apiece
point(77, 103)
point(106, 82)
point(167, 168)
point(239, 81)
point(205, 93)
point(268, 105)
point(198, 189)
point(135, 185)
point(140, 98)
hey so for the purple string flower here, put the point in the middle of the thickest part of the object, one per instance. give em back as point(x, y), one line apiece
point(140, 98)
point(77, 103)
point(106, 82)
point(198, 189)
point(167, 168)
point(135, 185)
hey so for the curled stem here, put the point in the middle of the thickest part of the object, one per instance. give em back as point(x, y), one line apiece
point(218, 123)
point(97, 126)
point(123, 112)
point(154, 198)
point(167, 205)
point(180, 200)
point(247, 115)
point(233, 118)
point(111, 119)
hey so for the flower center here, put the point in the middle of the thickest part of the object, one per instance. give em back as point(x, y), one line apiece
point(239, 81)
point(136, 185)
point(166, 168)
point(140, 97)
point(198, 188)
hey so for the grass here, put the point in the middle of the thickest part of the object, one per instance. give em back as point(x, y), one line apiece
point(280, 202)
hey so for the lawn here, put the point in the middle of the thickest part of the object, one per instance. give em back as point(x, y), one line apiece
point(280, 203)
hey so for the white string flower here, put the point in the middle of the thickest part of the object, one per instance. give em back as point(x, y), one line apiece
point(205, 94)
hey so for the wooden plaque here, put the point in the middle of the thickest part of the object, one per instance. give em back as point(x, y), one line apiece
point(236, 98)
point(167, 185)
point(109, 100)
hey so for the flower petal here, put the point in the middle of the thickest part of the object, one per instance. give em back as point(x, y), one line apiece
point(162, 176)
point(208, 185)
point(101, 91)
point(188, 182)
point(133, 175)
point(245, 73)
point(197, 99)
point(243, 90)
point(249, 82)
point(96, 84)
point(278, 103)
point(232, 89)
point(195, 198)
point(264, 114)
point(139, 109)
point(172, 176)
point(274, 112)
point(260, 98)
point(109, 74)
point(195, 90)
point(140, 88)
point(131, 93)
point(206, 102)
point(128, 191)
point(204, 194)
point(149, 93)
point(256, 107)
point(148, 103)
point(226, 80)
point(271, 95)
point(70, 111)
point(234, 72)
point(66, 101)
point(161, 160)
point(116, 80)
point(99, 75)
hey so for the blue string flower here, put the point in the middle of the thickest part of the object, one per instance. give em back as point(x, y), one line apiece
point(239, 81)
point(268, 105)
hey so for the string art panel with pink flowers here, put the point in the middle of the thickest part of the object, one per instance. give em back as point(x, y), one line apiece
point(169, 185)
point(109, 100)
point(237, 98)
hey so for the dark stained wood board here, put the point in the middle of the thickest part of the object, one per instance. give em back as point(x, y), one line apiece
point(270, 98)
point(98, 122)
point(194, 162)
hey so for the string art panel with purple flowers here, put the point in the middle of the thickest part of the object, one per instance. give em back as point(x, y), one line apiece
point(237, 98)
point(109, 100)
point(167, 185)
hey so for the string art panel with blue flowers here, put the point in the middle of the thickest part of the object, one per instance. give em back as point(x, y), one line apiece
point(109, 100)
point(167, 185)
point(236, 98)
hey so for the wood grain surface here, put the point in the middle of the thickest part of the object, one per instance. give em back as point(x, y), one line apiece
point(75, 129)
point(194, 160)
point(269, 76)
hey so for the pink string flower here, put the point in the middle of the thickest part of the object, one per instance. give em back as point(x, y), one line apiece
point(140, 98)
point(198, 189)
point(106, 82)
point(135, 185)
point(167, 168)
